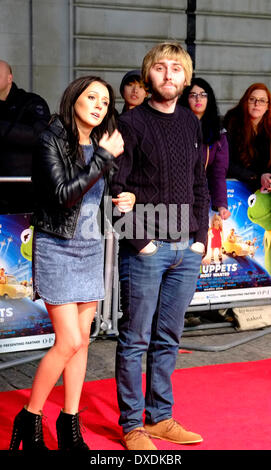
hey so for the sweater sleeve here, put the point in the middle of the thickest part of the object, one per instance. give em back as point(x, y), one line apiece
point(201, 195)
point(125, 161)
point(132, 223)
point(216, 173)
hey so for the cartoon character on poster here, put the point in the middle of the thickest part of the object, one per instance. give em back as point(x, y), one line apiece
point(15, 269)
point(27, 241)
point(216, 235)
point(259, 212)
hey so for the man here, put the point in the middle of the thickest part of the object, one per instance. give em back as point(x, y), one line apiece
point(132, 90)
point(162, 164)
point(23, 116)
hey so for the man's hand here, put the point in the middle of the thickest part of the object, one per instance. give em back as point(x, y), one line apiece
point(148, 249)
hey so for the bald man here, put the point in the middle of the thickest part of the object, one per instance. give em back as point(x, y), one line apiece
point(5, 79)
point(23, 116)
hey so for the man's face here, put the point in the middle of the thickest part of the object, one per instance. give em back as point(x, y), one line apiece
point(167, 79)
point(134, 94)
point(5, 80)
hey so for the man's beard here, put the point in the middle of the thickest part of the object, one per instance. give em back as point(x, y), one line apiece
point(166, 95)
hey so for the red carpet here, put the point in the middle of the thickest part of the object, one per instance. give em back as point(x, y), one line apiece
point(229, 404)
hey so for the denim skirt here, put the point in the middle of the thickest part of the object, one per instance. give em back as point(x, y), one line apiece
point(67, 271)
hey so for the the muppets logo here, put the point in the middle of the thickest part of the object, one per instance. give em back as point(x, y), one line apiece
point(217, 270)
point(5, 312)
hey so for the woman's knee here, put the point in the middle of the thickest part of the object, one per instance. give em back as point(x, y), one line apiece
point(68, 347)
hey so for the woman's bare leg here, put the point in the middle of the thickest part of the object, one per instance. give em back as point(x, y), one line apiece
point(68, 340)
point(75, 370)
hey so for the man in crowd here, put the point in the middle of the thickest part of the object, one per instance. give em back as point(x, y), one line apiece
point(23, 116)
point(132, 89)
point(162, 165)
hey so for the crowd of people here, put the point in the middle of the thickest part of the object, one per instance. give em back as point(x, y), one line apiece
point(167, 146)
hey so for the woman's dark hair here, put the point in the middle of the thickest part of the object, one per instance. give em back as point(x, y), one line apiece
point(66, 112)
point(210, 121)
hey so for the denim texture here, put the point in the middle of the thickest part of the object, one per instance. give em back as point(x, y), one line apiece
point(156, 290)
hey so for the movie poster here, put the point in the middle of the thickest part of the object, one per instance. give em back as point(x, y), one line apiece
point(237, 265)
point(24, 324)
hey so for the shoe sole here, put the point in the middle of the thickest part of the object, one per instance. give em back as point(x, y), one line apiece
point(176, 442)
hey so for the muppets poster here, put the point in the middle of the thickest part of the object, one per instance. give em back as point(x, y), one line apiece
point(237, 265)
point(24, 324)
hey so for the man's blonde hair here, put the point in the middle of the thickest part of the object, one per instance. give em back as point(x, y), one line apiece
point(167, 50)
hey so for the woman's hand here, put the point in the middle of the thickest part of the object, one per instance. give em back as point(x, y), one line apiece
point(125, 201)
point(266, 181)
point(224, 213)
point(113, 144)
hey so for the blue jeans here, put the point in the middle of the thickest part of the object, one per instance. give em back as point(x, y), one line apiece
point(156, 290)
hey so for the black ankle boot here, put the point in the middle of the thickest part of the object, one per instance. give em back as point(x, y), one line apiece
point(69, 433)
point(27, 428)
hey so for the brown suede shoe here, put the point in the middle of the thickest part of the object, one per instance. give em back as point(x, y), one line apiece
point(138, 439)
point(171, 430)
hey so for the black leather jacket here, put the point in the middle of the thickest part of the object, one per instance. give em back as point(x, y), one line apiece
point(60, 181)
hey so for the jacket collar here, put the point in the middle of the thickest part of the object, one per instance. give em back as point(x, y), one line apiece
point(60, 132)
point(58, 129)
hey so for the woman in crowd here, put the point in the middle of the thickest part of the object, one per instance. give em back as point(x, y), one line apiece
point(249, 133)
point(200, 98)
point(71, 168)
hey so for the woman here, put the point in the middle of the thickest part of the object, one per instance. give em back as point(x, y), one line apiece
point(71, 165)
point(200, 98)
point(249, 131)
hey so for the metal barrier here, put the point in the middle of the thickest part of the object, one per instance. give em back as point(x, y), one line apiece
point(15, 179)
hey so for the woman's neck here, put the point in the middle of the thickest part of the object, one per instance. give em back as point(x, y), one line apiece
point(84, 139)
point(84, 133)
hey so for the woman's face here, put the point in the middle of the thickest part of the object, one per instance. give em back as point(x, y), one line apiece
point(197, 100)
point(134, 94)
point(91, 107)
point(257, 105)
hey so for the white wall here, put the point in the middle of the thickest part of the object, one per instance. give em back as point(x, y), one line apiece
point(34, 40)
point(233, 42)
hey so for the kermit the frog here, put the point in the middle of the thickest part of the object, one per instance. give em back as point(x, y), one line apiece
point(259, 212)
